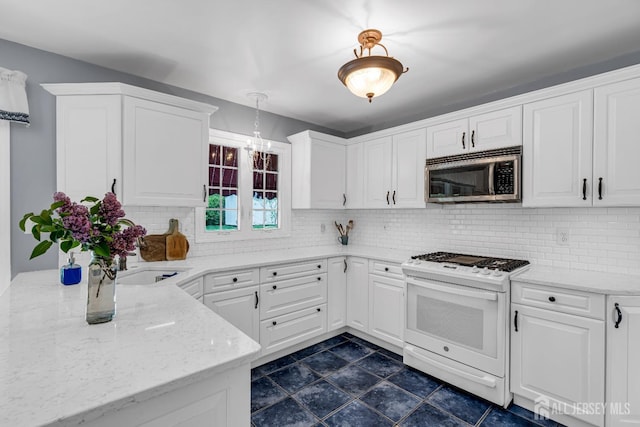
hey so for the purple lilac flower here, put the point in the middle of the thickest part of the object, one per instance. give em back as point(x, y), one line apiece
point(124, 241)
point(111, 209)
point(78, 223)
point(61, 197)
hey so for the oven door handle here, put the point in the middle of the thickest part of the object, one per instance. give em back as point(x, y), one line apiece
point(454, 290)
point(484, 380)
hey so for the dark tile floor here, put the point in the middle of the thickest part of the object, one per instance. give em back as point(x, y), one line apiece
point(347, 381)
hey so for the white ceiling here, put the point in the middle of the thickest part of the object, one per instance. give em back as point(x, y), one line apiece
point(456, 50)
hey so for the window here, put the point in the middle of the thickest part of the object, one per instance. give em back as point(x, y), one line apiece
point(248, 196)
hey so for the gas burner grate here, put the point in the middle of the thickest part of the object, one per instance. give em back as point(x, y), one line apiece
point(502, 264)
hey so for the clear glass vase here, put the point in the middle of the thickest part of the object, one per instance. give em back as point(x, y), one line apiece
point(101, 296)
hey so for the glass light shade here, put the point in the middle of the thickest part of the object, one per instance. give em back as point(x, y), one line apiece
point(370, 76)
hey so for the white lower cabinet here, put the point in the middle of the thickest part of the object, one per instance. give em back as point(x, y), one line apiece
point(286, 330)
point(290, 295)
point(336, 292)
point(358, 293)
point(239, 307)
point(557, 359)
point(623, 361)
point(386, 309)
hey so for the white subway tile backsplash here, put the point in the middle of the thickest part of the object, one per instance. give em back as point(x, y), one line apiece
point(600, 239)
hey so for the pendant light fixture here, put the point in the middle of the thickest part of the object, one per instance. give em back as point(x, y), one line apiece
point(256, 146)
point(369, 76)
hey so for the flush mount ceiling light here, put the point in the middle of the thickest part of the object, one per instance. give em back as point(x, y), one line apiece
point(369, 76)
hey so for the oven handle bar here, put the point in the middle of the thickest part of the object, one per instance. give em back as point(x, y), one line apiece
point(484, 380)
point(454, 290)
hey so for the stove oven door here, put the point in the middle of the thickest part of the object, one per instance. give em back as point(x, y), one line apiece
point(461, 323)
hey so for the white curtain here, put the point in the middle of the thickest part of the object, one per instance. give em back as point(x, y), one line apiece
point(13, 96)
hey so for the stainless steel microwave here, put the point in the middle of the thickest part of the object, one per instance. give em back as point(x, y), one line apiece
point(484, 176)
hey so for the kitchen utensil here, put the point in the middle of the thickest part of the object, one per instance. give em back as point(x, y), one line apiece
point(349, 227)
point(177, 244)
point(154, 246)
point(339, 227)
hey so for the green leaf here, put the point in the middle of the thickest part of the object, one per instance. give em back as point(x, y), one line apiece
point(66, 245)
point(40, 248)
point(37, 219)
point(56, 205)
point(102, 250)
point(24, 219)
point(90, 199)
point(46, 217)
point(95, 209)
point(36, 232)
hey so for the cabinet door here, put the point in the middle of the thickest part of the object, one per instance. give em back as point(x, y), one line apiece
point(358, 293)
point(239, 307)
point(337, 293)
point(386, 309)
point(615, 146)
point(328, 178)
point(377, 172)
point(89, 145)
point(557, 151)
point(497, 129)
point(557, 359)
point(164, 154)
point(355, 176)
point(448, 138)
point(623, 354)
point(409, 155)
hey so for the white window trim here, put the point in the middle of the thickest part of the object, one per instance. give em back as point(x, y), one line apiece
point(5, 207)
point(245, 179)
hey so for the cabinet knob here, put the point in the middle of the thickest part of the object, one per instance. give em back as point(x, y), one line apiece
point(552, 299)
point(235, 279)
point(319, 266)
point(275, 273)
point(319, 278)
point(318, 308)
point(386, 269)
point(275, 287)
point(274, 323)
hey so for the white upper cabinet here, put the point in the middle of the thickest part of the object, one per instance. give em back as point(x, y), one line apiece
point(147, 147)
point(394, 170)
point(318, 170)
point(355, 176)
point(616, 175)
point(556, 151)
point(496, 129)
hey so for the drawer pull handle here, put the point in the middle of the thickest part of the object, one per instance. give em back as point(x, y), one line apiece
point(617, 307)
point(552, 299)
point(584, 189)
point(275, 273)
point(387, 197)
point(275, 287)
point(113, 186)
point(257, 300)
point(386, 269)
point(599, 188)
point(515, 321)
point(274, 323)
point(235, 279)
point(345, 265)
point(318, 309)
point(463, 145)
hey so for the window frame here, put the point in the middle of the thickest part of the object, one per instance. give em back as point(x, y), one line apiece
point(245, 192)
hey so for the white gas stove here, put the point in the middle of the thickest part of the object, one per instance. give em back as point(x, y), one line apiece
point(457, 323)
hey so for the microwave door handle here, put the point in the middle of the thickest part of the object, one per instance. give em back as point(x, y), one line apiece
point(492, 172)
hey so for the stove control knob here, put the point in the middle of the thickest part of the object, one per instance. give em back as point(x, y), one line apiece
point(497, 273)
point(475, 269)
point(485, 271)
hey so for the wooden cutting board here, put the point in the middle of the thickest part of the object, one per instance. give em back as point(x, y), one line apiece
point(154, 247)
point(177, 244)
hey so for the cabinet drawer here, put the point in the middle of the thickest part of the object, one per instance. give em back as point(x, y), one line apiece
point(286, 296)
point(231, 279)
point(193, 288)
point(558, 299)
point(288, 271)
point(289, 329)
point(387, 269)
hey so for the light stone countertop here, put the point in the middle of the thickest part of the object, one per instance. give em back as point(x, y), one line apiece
point(581, 280)
point(54, 366)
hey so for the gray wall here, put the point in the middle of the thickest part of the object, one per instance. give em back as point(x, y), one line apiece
point(33, 152)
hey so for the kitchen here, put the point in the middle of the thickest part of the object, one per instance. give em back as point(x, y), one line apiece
point(587, 238)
